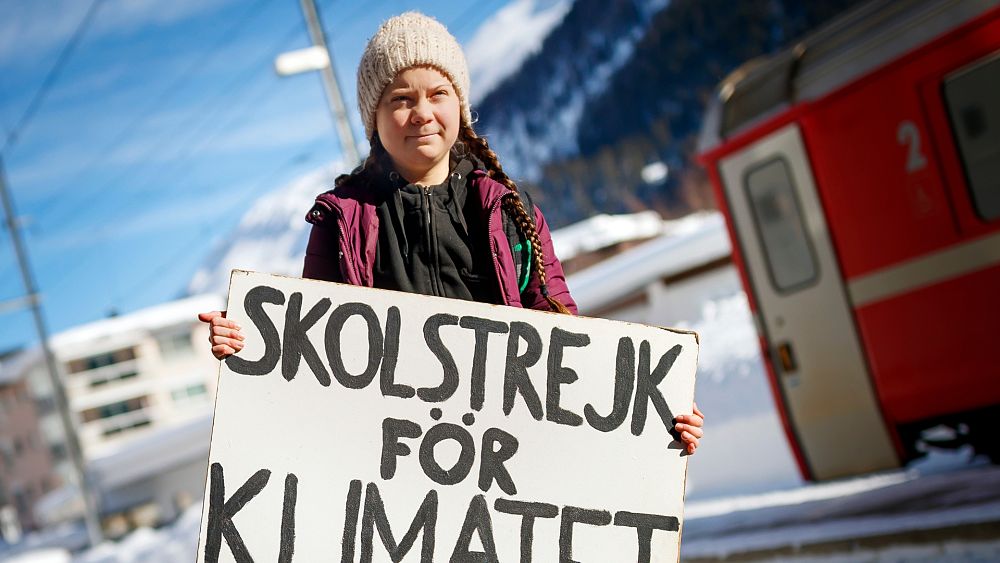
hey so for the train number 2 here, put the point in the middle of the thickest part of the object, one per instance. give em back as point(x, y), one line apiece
point(909, 136)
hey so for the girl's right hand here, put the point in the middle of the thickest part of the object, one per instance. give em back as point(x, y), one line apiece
point(224, 334)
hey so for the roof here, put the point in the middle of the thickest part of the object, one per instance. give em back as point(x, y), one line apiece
point(14, 366)
point(849, 47)
point(691, 242)
point(153, 453)
point(148, 319)
point(602, 231)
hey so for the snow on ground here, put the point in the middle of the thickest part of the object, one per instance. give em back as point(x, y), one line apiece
point(794, 517)
point(949, 490)
point(742, 427)
point(42, 556)
point(173, 544)
point(947, 552)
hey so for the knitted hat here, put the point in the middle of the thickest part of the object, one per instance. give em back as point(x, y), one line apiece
point(407, 40)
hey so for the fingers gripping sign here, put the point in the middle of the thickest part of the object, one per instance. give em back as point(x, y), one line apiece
point(690, 428)
point(224, 334)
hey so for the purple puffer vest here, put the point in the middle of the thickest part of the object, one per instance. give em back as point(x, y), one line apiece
point(345, 233)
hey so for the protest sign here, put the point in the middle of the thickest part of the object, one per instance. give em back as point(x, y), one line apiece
point(369, 425)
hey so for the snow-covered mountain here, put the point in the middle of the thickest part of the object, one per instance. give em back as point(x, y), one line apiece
point(502, 43)
point(620, 85)
point(271, 237)
point(532, 117)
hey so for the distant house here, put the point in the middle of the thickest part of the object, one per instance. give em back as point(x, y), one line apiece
point(583, 244)
point(26, 469)
point(647, 275)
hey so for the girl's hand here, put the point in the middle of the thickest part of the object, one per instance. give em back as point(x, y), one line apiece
point(689, 425)
point(224, 334)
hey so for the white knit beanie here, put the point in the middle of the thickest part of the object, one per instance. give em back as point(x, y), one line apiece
point(406, 40)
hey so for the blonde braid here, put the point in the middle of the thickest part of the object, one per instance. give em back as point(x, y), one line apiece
point(514, 207)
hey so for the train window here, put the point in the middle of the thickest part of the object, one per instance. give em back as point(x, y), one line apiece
point(971, 95)
point(778, 216)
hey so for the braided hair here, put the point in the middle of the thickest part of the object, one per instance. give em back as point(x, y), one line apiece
point(372, 166)
point(513, 206)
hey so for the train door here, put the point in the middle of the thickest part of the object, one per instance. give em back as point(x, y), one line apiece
point(803, 309)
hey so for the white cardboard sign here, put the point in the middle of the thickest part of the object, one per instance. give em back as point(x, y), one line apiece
point(369, 425)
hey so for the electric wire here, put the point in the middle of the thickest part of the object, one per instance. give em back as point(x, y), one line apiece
point(156, 272)
point(186, 148)
point(50, 79)
point(74, 265)
point(162, 98)
point(144, 285)
point(194, 126)
point(187, 132)
point(205, 230)
point(68, 206)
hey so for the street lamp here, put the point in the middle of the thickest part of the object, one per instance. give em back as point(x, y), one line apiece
point(318, 57)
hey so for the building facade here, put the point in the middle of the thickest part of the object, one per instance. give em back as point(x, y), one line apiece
point(26, 468)
point(130, 380)
point(129, 375)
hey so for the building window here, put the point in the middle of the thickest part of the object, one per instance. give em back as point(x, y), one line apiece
point(101, 360)
point(114, 409)
point(176, 344)
point(98, 381)
point(112, 430)
point(971, 95)
point(191, 392)
point(777, 214)
point(45, 405)
point(7, 453)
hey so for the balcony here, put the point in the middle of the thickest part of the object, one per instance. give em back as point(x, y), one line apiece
point(84, 381)
point(104, 430)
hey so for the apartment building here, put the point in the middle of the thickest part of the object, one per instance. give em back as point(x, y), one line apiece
point(128, 375)
point(134, 383)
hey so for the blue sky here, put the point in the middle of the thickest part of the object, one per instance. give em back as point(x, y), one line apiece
point(166, 122)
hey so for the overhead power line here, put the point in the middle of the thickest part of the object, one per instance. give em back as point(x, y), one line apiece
point(147, 282)
point(43, 91)
point(196, 142)
point(159, 100)
point(195, 132)
point(193, 129)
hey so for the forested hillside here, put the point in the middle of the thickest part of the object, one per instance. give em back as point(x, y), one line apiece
point(621, 84)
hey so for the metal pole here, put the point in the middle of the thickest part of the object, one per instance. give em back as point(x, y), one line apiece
point(72, 442)
point(330, 84)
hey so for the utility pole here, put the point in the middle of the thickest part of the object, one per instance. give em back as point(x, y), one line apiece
point(62, 403)
point(330, 84)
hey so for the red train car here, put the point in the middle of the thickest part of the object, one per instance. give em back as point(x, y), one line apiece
point(859, 172)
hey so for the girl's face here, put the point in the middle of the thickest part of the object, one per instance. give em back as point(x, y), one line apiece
point(418, 119)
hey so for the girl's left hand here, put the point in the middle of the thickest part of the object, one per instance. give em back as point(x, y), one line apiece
point(690, 427)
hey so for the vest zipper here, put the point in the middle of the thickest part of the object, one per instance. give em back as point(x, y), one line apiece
point(435, 267)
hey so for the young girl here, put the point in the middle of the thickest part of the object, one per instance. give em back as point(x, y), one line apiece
point(431, 210)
